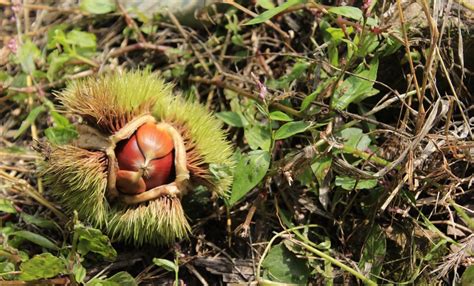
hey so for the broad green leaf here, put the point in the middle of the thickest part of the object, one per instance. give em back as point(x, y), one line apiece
point(30, 119)
point(52, 35)
point(258, 137)
point(280, 116)
point(354, 137)
point(166, 264)
point(320, 167)
point(36, 239)
point(120, 279)
point(56, 62)
point(39, 221)
point(92, 240)
point(373, 252)
point(291, 128)
point(97, 6)
point(42, 266)
point(81, 39)
point(281, 265)
point(26, 56)
point(311, 97)
point(356, 88)
point(347, 11)
point(7, 206)
point(60, 120)
point(6, 267)
point(79, 272)
point(467, 278)
point(273, 12)
point(230, 118)
point(250, 170)
point(348, 183)
point(61, 135)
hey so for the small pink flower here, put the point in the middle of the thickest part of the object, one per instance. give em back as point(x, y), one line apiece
point(16, 7)
point(261, 87)
point(12, 45)
point(366, 6)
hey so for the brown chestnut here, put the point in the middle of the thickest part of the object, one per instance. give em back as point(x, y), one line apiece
point(145, 160)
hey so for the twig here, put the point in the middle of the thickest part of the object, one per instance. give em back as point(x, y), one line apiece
point(267, 22)
point(198, 275)
point(220, 83)
point(22, 185)
point(186, 37)
point(313, 250)
point(131, 23)
point(137, 46)
point(421, 109)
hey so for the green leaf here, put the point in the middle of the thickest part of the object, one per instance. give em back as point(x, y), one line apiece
point(120, 279)
point(348, 183)
point(36, 239)
point(354, 137)
point(347, 11)
point(7, 206)
point(291, 128)
point(56, 62)
point(266, 4)
point(356, 88)
point(258, 137)
point(30, 119)
point(92, 240)
point(26, 56)
point(42, 266)
point(281, 265)
point(311, 97)
point(6, 267)
point(373, 252)
point(230, 118)
point(61, 135)
point(273, 12)
point(467, 278)
point(97, 6)
point(320, 167)
point(280, 116)
point(79, 272)
point(297, 71)
point(39, 221)
point(166, 264)
point(81, 39)
point(60, 120)
point(250, 170)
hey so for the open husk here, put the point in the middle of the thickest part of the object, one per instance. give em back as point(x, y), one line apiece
point(81, 175)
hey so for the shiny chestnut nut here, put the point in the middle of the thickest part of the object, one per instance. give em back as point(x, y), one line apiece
point(145, 160)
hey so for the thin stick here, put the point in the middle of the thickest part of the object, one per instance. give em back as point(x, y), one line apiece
point(421, 109)
point(267, 22)
point(313, 250)
point(220, 83)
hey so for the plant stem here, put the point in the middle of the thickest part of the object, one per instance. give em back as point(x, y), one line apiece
point(313, 250)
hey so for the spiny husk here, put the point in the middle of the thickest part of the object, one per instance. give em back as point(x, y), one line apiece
point(206, 142)
point(160, 221)
point(108, 103)
point(77, 178)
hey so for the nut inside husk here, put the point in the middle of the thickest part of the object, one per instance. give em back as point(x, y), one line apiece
point(161, 169)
